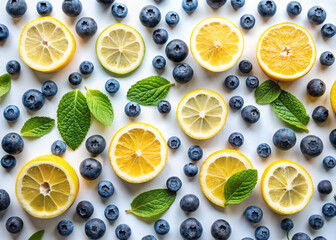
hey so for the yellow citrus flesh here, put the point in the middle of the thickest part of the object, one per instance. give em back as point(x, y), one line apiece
point(286, 187)
point(286, 51)
point(47, 186)
point(46, 44)
point(217, 169)
point(138, 152)
point(333, 97)
point(216, 44)
point(202, 113)
point(120, 48)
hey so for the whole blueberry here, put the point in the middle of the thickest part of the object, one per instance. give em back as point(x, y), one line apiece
point(327, 58)
point(4, 32)
point(183, 73)
point(164, 107)
point(324, 187)
point(311, 146)
point(316, 221)
point(75, 78)
point(284, 138)
point(132, 109)
point(316, 15)
point(58, 147)
point(190, 169)
point(174, 142)
point(195, 152)
point(320, 114)
point(105, 189)
point(191, 229)
point(95, 228)
point(247, 21)
point(95, 144)
point(236, 102)
point(300, 236)
point(11, 113)
point(33, 100)
point(90, 169)
point(328, 30)
point(16, 8)
point(84, 209)
point(245, 66)
point(262, 233)
point(111, 212)
point(177, 50)
point(8, 162)
point(49, 88)
point(250, 114)
point(4, 200)
point(316, 88)
point(119, 10)
point(86, 67)
point(236, 139)
point(150, 16)
point(161, 227)
point(329, 162)
point(13, 67)
point(159, 62)
point(267, 8)
point(264, 150)
point(332, 137)
point(252, 82)
point(174, 184)
point(149, 237)
point(189, 203)
point(286, 224)
point(72, 8)
point(123, 231)
point(189, 5)
point(172, 18)
point(65, 227)
point(14, 224)
point(160, 36)
point(329, 210)
point(216, 3)
point(294, 8)
point(112, 86)
point(86, 27)
point(236, 4)
point(106, 1)
point(12, 143)
point(254, 214)
point(44, 7)
point(221, 229)
point(231, 82)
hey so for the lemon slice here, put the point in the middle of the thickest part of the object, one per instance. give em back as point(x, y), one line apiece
point(138, 152)
point(47, 186)
point(286, 51)
point(46, 44)
point(216, 44)
point(202, 113)
point(333, 97)
point(286, 187)
point(120, 48)
point(217, 169)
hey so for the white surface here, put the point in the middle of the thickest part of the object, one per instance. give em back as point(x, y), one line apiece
point(125, 192)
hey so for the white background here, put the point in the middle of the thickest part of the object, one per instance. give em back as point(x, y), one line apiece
point(255, 134)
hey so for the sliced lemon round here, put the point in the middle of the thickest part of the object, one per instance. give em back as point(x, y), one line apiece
point(333, 97)
point(217, 169)
point(286, 51)
point(138, 152)
point(120, 48)
point(47, 186)
point(286, 187)
point(202, 113)
point(216, 44)
point(46, 44)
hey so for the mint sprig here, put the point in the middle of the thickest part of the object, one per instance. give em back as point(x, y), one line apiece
point(5, 84)
point(37, 126)
point(267, 92)
point(37, 236)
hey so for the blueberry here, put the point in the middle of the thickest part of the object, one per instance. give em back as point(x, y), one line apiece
point(4, 200)
point(236, 4)
point(287, 224)
point(247, 21)
point(119, 10)
point(236, 139)
point(267, 8)
point(221, 229)
point(284, 138)
point(174, 184)
point(183, 73)
point(254, 214)
point(33, 100)
point(320, 114)
point(75, 78)
point(95, 144)
point(13, 67)
point(106, 1)
point(160, 36)
point(250, 114)
point(123, 231)
point(316, 221)
point(236, 102)
point(231, 82)
point(324, 187)
point(132, 109)
point(177, 50)
point(95, 228)
point(216, 3)
point(189, 5)
point(161, 227)
point(149, 237)
point(112, 86)
point(264, 150)
point(159, 62)
point(247, 238)
point(16, 8)
point(8, 162)
point(191, 229)
point(49, 88)
point(294, 8)
point(262, 233)
point(4, 32)
point(245, 66)
point(111, 212)
point(252, 82)
point(164, 107)
point(329, 210)
point(84, 209)
point(190, 169)
point(86, 27)
point(320, 238)
point(14, 224)
point(65, 227)
point(90, 168)
point(328, 30)
point(332, 137)
point(11, 113)
point(311, 146)
point(189, 203)
point(316, 88)
point(86, 67)
point(58, 147)
point(172, 18)
point(195, 152)
point(44, 8)
point(105, 189)
point(300, 236)
point(174, 142)
point(150, 16)
point(316, 15)
point(72, 8)
point(329, 162)
point(12, 143)
point(327, 58)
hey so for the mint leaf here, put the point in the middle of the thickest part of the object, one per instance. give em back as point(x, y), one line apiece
point(5, 84)
point(100, 106)
point(152, 203)
point(239, 186)
point(73, 118)
point(149, 91)
point(288, 108)
point(37, 126)
point(37, 236)
point(267, 92)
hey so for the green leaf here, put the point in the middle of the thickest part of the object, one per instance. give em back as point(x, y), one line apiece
point(73, 118)
point(37, 126)
point(5, 84)
point(239, 186)
point(37, 236)
point(288, 108)
point(149, 91)
point(152, 203)
point(100, 106)
point(267, 92)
